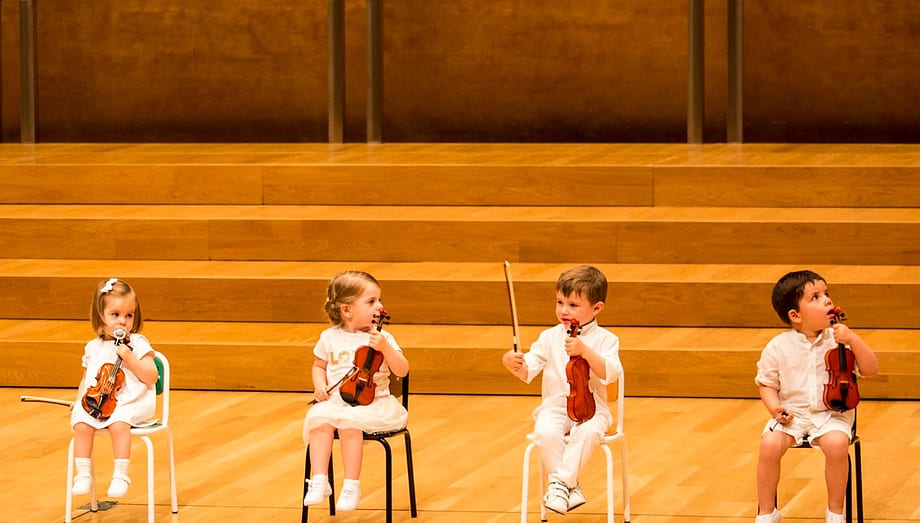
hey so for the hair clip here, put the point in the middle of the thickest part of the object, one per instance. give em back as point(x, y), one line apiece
point(108, 285)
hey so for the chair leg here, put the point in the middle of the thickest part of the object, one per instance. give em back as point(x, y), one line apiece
point(848, 505)
point(608, 456)
point(173, 497)
point(150, 479)
point(388, 455)
point(410, 470)
point(525, 482)
point(68, 504)
point(859, 493)
point(306, 475)
point(624, 470)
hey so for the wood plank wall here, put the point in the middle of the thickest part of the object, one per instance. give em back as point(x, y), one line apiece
point(470, 71)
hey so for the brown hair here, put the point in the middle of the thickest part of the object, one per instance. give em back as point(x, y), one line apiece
point(789, 290)
point(584, 279)
point(344, 288)
point(113, 287)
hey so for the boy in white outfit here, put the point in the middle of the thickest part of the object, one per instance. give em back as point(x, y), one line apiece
point(791, 375)
point(580, 296)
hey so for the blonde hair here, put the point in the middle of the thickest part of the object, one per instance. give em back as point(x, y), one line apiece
point(344, 288)
point(118, 288)
point(583, 280)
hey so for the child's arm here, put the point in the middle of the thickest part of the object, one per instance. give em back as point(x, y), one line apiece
point(396, 361)
point(770, 398)
point(866, 360)
point(318, 373)
point(144, 368)
point(514, 362)
point(575, 347)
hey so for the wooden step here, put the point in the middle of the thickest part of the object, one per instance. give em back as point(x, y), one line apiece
point(874, 296)
point(753, 175)
point(695, 362)
point(463, 234)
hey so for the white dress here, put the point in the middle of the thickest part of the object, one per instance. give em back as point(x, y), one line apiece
point(135, 401)
point(385, 413)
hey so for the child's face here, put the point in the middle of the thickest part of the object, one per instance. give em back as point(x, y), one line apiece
point(576, 307)
point(815, 309)
point(360, 314)
point(118, 312)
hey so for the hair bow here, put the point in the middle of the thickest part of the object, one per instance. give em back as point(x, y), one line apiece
point(108, 285)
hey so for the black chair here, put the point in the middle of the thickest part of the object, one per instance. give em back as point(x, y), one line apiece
point(857, 457)
point(398, 387)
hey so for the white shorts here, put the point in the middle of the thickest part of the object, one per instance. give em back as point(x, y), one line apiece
point(802, 428)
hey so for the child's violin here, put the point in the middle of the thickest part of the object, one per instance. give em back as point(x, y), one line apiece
point(579, 404)
point(840, 393)
point(99, 400)
point(359, 388)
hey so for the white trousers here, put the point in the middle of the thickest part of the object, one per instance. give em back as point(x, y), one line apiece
point(564, 461)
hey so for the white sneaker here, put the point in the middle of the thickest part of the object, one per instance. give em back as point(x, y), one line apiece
point(576, 497)
point(81, 485)
point(830, 517)
point(557, 497)
point(118, 488)
point(348, 498)
point(772, 517)
point(318, 489)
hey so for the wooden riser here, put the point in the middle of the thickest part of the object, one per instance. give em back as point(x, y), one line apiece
point(464, 234)
point(676, 362)
point(756, 175)
point(451, 294)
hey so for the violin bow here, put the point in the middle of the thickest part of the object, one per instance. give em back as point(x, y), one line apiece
point(514, 319)
point(350, 373)
point(40, 399)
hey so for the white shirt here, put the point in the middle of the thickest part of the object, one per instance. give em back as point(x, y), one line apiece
point(547, 354)
point(795, 367)
point(337, 347)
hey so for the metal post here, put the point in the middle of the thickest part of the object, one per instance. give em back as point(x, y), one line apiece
point(735, 121)
point(336, 71)
point(27, 66)
point(374, 71)
point(695, 76)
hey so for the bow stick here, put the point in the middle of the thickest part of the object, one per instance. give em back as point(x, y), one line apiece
point(514, 320)
point(46, 400)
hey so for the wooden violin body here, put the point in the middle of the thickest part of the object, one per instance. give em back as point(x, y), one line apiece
point(360, 389)
point(579, 404)
point(99, 400)
point(840, 392)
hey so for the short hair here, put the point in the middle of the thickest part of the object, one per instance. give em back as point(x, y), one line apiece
point(789, 290)
point(344, 288)
point(583, 280)
point(118, 288)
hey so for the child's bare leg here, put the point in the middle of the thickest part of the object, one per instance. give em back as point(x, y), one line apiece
point(773, 445)
point(321, 449)
point(352, 451)
point(835, 445)
point(121, 440)
point(83, 436)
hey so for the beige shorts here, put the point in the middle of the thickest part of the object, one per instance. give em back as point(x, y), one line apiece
point(802, 428)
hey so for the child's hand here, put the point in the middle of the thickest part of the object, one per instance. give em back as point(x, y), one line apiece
point(574, 346)
point(843, 334)
point(123, 351)
point(513, 361)
point(378, 341)
point(781, 415)
point(320, 394)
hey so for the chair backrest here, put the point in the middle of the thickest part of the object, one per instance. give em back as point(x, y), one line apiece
point(399, 387)
point(162, 386)
point(615, 392)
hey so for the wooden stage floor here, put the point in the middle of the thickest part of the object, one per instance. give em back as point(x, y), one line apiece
point(240, 458)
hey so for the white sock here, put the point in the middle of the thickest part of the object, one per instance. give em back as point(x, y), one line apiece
point(84, 466)
point(121, 467)
point(351, 482)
